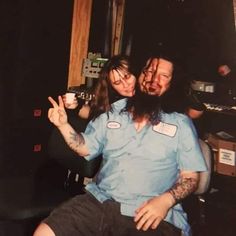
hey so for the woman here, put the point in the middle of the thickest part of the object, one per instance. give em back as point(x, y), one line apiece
point(117, 80)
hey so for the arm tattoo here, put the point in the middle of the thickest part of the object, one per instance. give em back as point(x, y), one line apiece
point(76, 140)
point(183, 188)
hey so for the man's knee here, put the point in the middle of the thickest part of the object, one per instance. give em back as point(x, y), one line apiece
point(43, 230)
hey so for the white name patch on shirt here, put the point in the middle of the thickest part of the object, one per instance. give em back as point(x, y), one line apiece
point(113, 125)
point(166, 129)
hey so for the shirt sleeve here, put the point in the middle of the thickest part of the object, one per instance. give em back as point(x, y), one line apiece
point(190, 157)
point(94, 137)
point(96, 131)
point(195, 103)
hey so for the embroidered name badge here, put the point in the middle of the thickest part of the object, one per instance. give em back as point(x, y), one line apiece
point(166, 129)
point(113, 125)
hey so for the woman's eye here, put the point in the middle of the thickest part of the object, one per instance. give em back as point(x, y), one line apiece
point(127, 76)
point(117, 82)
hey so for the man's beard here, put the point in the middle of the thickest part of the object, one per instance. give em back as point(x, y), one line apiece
point(143, 105)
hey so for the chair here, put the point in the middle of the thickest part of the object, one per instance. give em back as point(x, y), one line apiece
point(27, 198)
point(205, 177)
point(195, 204)
point(60, 151)
point(32, 184)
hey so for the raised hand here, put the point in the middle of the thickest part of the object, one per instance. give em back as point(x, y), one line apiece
point(57, 114)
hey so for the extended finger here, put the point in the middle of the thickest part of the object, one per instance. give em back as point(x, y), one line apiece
point(156, 222)
point(140, 212)
point(50, 111)
point(61, 103)
point(149, 222)
point(141, 207)
point(53, 102)
point(142, 221)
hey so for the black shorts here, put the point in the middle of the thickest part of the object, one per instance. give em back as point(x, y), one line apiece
point(84, 215)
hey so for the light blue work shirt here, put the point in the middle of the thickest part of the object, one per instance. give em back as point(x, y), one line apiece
point(140, 165)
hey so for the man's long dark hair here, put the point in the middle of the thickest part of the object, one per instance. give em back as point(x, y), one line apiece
point(144, 105)
point(173, 100)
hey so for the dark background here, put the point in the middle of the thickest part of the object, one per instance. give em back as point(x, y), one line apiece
point(34, 56)
point(201, 33)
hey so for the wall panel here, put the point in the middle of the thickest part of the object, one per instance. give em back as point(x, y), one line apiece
point(35, 46)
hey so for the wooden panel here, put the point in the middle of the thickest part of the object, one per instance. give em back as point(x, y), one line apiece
point(117, 25)
point(234, 2)
point(79, 40)
point(113, 31)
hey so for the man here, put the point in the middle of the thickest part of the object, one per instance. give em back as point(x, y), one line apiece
point(226, 84)
point(151, 161)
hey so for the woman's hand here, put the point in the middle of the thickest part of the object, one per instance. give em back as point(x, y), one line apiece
point(70, 105)
point(57, 114)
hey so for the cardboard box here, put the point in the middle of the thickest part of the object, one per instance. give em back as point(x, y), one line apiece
point(225, 154)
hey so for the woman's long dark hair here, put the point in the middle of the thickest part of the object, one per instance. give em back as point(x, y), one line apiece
point(105, 95)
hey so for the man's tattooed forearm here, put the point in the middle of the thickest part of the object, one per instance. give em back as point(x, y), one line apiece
point(77, 137)
point(183, 188)
point(76, 140)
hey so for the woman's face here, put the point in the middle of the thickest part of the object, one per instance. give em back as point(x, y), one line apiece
point(123, 82)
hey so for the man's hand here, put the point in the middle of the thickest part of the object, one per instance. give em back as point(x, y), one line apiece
point(153, 211)
point(57, 114)
point(224, 70)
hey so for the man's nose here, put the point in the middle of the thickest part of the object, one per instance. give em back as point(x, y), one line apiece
point(155, 78)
